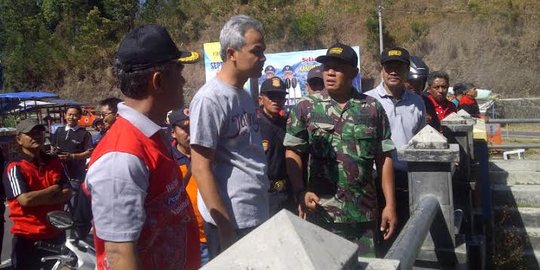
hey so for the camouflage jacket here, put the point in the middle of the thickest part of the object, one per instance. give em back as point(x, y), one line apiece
point(342, 145)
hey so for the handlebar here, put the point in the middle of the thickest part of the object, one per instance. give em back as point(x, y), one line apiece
point(49, 247)
point(61, 258)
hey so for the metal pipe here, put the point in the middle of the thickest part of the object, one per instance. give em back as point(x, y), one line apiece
point(512, 120)
point(408, 243)
point(513, 146)
point(379, 12)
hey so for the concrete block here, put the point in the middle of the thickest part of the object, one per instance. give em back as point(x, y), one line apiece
point(377, 264)
point(450, 154)
point(428, 138)
point(519, 195)
point(526, 165)
point(514, 177)
point(287, 242)
point(464, 114)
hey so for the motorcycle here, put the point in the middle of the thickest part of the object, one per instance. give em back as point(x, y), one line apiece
point(74, 253)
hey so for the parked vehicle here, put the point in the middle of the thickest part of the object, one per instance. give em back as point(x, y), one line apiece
point(75, 253)
point(88, 116)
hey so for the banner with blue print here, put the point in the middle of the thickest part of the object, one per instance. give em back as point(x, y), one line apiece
point(292, 67)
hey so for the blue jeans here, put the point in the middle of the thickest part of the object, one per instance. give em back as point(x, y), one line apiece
point(205, 256)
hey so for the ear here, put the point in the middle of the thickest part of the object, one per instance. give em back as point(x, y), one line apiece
point(260, 100)
point(18, 139)
point(230, 54)
point(156, 82)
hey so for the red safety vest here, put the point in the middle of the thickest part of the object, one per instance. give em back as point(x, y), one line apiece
point(169, 238)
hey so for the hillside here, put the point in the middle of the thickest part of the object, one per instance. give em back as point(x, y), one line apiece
point(494, 43)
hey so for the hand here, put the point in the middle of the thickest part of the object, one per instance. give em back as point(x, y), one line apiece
point(64, 156)
point(388, 222)
point(307, 204)
point(55, 188)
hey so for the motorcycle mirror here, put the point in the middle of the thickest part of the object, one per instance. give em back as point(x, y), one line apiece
point(60, 219)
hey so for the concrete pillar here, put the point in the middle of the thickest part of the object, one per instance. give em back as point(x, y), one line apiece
point(458, 128)
point(431, 165)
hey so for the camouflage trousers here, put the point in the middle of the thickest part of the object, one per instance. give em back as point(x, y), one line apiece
point(361, 233)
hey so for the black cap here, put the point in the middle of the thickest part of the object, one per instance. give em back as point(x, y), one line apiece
point(315, 72)
point(274, 84)
point(179, 118)
point(270, 68)
point(27, 125)
point(287, 68)
point(395, 54)
point(149, 46)
point(340, 52)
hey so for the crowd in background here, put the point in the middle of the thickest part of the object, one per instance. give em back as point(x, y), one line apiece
point(168, 185)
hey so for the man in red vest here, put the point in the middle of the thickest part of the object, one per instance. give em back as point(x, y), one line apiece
point(142, 216)
point(35, 184)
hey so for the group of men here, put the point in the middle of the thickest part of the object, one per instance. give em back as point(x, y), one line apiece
point(331, 158)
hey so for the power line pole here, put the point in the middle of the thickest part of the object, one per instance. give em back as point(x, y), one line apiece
point(379, 12)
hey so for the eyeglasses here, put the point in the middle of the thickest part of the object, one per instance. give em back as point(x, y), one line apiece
point(103, 115)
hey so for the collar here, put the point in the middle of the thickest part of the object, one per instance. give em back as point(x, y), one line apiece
point(179, 157)
point(44, 158)
point(325, 97)
point(381, 91)
point(139, 120)
point(466, 100)
point(444, 104)
point(75, 128)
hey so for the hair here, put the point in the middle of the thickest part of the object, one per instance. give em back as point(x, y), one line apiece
point(468, 86)
point(437, 75)
point(232, 33)
point(134, 84)
point(111, 102)
point(76, 107)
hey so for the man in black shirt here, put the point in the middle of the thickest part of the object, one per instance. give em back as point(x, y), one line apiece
point(272, 120)
point(73, 145)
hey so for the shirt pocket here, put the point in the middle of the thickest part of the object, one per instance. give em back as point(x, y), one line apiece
point(365, 141)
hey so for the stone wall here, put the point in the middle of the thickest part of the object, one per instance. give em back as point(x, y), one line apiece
point(515, 108)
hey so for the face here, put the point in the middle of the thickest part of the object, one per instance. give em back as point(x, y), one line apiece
point(72, 117)
point(181, 135)
point(269, 74)
point(250, 58)
point(394, 73)
point(108, 116)
point(472, 92)
point(338, 76)
point(173, 86)
point(32, 140)
point(272, 102)
point(438, 89)
point(288, 75)
point(100, 127)
point(315, 84)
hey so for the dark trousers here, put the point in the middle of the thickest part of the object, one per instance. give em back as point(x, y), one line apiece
point(402, 211)
point(26, 256)
point(81, 212)
point(212, 238)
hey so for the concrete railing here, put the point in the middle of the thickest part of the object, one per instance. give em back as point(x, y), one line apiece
point(407, 245)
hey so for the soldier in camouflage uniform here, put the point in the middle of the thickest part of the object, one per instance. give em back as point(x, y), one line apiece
point(343, 132)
